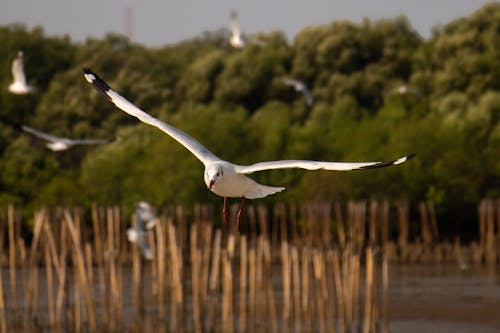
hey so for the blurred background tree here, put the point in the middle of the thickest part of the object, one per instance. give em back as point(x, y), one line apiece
point(380, 91)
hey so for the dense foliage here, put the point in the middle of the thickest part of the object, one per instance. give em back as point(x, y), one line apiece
point(235, 102)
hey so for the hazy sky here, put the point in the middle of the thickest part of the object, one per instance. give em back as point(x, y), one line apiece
point(159, 22)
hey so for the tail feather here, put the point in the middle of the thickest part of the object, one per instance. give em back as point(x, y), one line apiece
point(262, 191)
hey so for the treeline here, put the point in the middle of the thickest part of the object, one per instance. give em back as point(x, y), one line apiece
point(380, 91)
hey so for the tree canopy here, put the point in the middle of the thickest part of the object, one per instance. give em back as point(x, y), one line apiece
point(380, 91)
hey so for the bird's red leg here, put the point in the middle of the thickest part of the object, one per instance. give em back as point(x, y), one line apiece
point(225, 218)
point(242, 202)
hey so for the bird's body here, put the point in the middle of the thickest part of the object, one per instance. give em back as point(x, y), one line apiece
point(56, 143)
point(222, 177)
point(236, 39)
point(19, 86)
point(145, 220)
point(233, 184)
point(300, 87)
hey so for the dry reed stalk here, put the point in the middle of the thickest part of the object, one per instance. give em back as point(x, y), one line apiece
point(263, 219)
point(176, 278)
point(355, 278)
point(111, 270)
point(426, 232)
point(227, 295)
point(260, 297)
point(180, 219)
point(372, 230)
point(384, 223)
point(230, 245)
point(99, 259)
point(252, 221)
point(348, 285)
point(280, 218)
point(403, 208)
point(213, 281)
point(195, 277)
point(489, 244)
point(32, 278)
point(243, 283)
point(50, 243)
point(77, 287)
point(340, 225)
point(89, 267)
point(368, 290)
point(82, 275)
point(293, 222)
point(296, 289)
point(433, 220)
point(385, 292)
point(61, 275)
point(136, 287)
point(207, 242)
point(160, 261)
point(327, 224)
point(251, 290)
point(321, 289)
point(3, 318)
point(50, 287)
point(286, 276)
point(306, 311)
point(337, 274)
point(267, 278)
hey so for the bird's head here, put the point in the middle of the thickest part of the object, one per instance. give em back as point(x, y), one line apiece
point(213, 173)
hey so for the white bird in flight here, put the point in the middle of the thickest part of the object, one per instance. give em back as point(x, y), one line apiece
point(236, 39)
point(145, 220)
point(56, 143)
point(300, 87)
point(405, 89)
point(221, 177)
point(19, 86)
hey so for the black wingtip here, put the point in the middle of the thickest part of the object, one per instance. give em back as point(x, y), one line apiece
point(96, 81)
point(389, 163)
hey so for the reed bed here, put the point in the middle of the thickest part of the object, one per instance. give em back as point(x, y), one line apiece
point(317, 267)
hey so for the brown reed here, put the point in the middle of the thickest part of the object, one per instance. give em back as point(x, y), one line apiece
point(274, 276)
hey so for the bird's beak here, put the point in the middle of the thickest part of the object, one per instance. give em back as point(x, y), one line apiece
point(212, 182)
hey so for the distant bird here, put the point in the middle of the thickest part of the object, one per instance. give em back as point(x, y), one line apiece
point(405, 89)
point(221, 177)
point(236, 39)
point(145, 220)
point(300, 87)
point(19, 86)
point(56, 143)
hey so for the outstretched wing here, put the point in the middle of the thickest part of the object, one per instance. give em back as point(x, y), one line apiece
point(316, 165)
point(18, 69)
point(198, 150)
point(42, 135)
point(235, 28)
point(88, 142)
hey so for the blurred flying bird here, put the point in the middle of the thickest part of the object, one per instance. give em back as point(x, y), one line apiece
point(145, 220)
point(19, 86)
point(236, 39)
point(56, 143)
point(405, 89)
point(300, 87)
point(221, 177)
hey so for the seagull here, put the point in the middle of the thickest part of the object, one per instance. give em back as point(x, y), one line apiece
point(404, 89)
point(145, 220)
point(221, 177)
point(300, 87)
point(56, 143)
point(236, 39)
point(19, 85)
